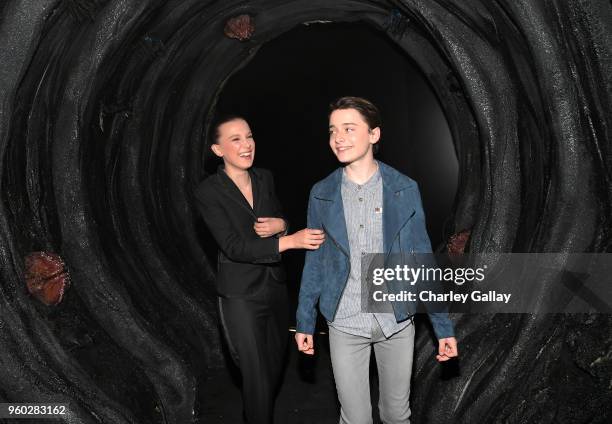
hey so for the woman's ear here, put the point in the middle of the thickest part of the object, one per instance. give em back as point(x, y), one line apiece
point(216, 150)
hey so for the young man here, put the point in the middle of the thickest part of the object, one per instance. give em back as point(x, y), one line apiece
point(363, 207)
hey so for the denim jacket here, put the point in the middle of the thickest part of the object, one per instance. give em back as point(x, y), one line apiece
point(326, 269)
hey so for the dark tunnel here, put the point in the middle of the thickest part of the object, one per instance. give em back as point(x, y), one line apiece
point(103, 137)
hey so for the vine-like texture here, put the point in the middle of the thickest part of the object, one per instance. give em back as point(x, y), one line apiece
point(103, 115)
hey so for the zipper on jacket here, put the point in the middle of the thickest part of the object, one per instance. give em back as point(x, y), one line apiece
point(348, 258)
point(398, 236)
point(399, 241)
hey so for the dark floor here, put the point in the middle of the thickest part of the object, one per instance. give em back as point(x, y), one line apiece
point(307, 395)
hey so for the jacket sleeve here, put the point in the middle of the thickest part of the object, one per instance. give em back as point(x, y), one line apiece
point(235, 245)
point(441, 323)
point(310, 286)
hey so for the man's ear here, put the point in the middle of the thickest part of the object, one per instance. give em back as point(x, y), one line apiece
point(374, 135)
point(216, 150)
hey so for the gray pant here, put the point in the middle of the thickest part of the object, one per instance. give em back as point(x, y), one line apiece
point(350, 356)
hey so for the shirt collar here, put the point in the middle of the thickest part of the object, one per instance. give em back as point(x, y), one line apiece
point(370, 184)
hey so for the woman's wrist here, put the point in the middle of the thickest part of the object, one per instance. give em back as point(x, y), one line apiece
point(285, 243)
point(283, 229)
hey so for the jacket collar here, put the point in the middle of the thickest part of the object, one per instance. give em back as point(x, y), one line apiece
point(394, 217)
point(393, 181)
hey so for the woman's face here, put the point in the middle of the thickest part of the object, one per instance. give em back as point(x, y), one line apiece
point(235, 144)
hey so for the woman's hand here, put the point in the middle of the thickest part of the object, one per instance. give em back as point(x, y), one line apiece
point(308, 238)
point(267, 227)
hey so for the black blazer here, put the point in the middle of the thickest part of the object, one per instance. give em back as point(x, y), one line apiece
point(246, 262)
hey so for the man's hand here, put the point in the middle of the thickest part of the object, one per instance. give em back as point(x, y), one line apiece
point(447, 349)
point(267, 227)
point(305, 343)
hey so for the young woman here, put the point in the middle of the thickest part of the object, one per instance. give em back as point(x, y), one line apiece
point(240, 207)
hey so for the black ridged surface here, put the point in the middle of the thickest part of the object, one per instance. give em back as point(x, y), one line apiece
point(104, 107)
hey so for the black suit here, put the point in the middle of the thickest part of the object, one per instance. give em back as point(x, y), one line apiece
point(250, 283)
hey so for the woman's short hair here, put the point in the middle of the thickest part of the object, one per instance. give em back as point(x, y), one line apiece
point(220, 120)
point(368, 111)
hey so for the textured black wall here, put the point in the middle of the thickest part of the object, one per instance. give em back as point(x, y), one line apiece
point(104, 106)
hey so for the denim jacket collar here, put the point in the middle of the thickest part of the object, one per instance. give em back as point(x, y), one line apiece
point(397, 206)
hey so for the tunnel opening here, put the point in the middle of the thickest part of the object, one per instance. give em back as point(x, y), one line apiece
point(284, 91)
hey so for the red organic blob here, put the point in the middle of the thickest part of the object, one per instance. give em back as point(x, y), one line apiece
point(46, 277)
point(457, 242)
point(240, 27)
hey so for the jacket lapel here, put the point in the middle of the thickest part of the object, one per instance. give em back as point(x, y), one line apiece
point(332, 211)
point(256, 184)
point(233, 192)
point(397, 208)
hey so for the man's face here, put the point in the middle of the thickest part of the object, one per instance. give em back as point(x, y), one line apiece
point(350, 138)
point(235, 144)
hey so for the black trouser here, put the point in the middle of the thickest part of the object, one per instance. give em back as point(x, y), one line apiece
point(256, 330)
